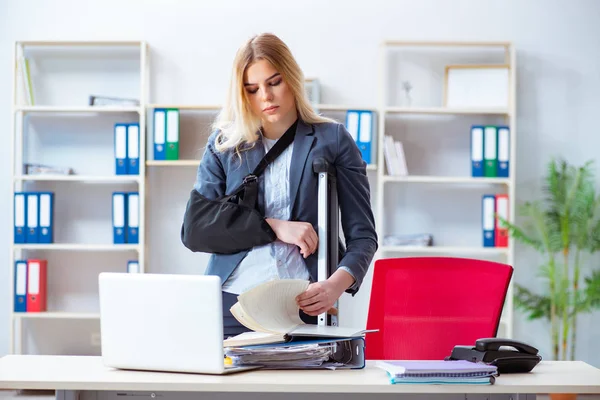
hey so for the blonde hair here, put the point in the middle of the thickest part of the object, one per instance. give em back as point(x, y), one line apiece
point(236, 123)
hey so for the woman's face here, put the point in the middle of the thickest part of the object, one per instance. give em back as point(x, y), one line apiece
point(270, 97)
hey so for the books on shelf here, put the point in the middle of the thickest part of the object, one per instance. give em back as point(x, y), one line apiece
point(127, 148)
point(360, 124)
point(43, 169)
point(30, 279)
point(495, 234)
point(33, 217)
point(166, 133)
point(270, 311)
point(439, 372)
point(490, 151)
point(125, 217)
point(416, 239)
point(393, 153)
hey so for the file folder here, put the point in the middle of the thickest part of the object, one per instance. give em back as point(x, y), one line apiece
point(172, 134)
point(121, 149)
point(488, 220)
point(133, 267)
point(501, 234)
point(20, 286)
point(32, 217)
point(490, 153)
point(20, 218)
point(133, 217)
point(477, 151)
point(36, 285)
point(160, 133)
point(119, 217)
point(365, 135)
point(46, 217)
point(133, 149)
point(503, 151)
point(352, 119)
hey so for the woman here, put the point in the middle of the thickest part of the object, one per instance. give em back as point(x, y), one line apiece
point(267, 98)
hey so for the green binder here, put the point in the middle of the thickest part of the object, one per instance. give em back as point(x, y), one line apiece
point(490, 151)
point(172, 152)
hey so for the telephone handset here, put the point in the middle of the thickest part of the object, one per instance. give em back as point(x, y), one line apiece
point(508, 355)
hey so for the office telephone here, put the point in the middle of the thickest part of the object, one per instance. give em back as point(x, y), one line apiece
point(510, 356)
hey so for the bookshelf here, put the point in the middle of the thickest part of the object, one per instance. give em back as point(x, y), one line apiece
point(391, 194)
point(59, 128)
point(433, 134)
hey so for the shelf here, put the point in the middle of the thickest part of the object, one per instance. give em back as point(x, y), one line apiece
point(371, 167)
point(81, 43)
point(81, 178)
point(77, 247)
point(172, 163)
point(77, 109)
point(446, 179)
point(447, 111)
point(55, 315)
point(209, 107)
point(446, 249)
point(342, 107)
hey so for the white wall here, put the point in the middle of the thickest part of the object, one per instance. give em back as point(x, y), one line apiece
point(193, 43)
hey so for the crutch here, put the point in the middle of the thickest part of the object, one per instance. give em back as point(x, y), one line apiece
point(328, 230)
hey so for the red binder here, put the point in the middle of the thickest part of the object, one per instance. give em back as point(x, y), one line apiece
point(36, 285)
point(502, 211)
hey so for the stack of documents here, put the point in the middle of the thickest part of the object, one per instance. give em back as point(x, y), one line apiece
point(439, 372)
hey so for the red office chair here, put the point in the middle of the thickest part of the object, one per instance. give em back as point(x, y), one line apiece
point(424, 306)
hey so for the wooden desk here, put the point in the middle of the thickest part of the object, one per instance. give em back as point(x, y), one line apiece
point(89, 374)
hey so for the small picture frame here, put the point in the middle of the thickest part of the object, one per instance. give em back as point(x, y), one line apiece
point(477, 86)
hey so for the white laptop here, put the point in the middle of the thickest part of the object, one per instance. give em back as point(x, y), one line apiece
point(162, 322)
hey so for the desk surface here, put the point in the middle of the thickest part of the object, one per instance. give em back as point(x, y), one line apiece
point(89, 373)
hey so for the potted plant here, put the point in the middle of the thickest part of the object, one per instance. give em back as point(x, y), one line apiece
point(564, 227)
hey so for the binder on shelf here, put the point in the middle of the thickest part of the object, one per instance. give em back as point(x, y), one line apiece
point(133, 217)
point(501, 232)
point(160, 129)
point(477, 151)
point(20, 217)
point(172, 152)
point(32, 218)
point(488, 217)
point(119, 217)
point(365, 135)
point(352, 120)
point(490, 151)
point(46, 218)
point(36, 285)
point(121, 149)
point(133, 267)
point(503, 151)
point(133, 149)
point(20, 286)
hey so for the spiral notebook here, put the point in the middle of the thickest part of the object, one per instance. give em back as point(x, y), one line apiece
point(439, 372)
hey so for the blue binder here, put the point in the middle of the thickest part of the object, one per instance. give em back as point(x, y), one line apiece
point(503, 151)
point(20, 289)
point(121, 149)
point(133, 217)
point(119, 217)
point(365, 135)
point(160, 134)
point(46, 211)
point(133, 267)
point(33, 217)
point(488, 219)
point(20, 217)
point(477, 151)
point(133, 149)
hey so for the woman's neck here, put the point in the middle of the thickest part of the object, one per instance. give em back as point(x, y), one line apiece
point(276, 130)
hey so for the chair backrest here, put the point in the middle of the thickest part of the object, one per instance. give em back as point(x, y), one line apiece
point(424, 306)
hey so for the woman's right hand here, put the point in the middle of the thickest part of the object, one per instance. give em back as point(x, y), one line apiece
point(299, 233)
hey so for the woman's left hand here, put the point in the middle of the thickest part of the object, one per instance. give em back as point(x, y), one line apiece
point(319, 297)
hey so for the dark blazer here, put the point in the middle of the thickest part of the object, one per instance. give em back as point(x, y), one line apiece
point(221, 172)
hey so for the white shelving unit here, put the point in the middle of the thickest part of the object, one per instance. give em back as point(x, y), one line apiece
point(437, 113)
point(52, 106)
